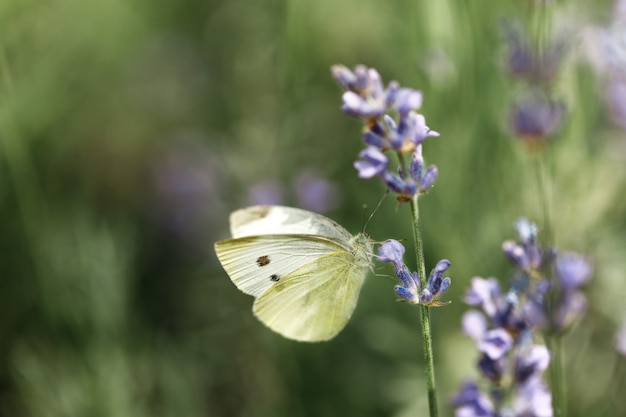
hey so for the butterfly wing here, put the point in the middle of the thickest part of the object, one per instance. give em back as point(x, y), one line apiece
point(256, 263)
point(314, 302)
point(275, 220)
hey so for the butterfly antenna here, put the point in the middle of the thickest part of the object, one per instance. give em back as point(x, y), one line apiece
point(380, 202)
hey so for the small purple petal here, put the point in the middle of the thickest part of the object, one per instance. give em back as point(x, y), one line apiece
point(445, 284)
point(417, 165)
point(373, 162)
point(534, 361)
point(374, 139)
point(426, 297)
point(429, 178)
point(471, 402)
point(533, 399)
point(572, 270)
point(492, 369)
point(407, 279)
point(496, 343)
point(573, 306)
point(266, 193)
point(482, 293)
point(398, 185)
point(344, 76)
point(436, 276)
point(406, 294)
point(515, 254)
point(316, 193)
point(474, 324)
point(391, 251)
point(407, 99)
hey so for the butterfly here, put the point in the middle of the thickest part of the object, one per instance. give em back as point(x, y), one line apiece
point(304, 270)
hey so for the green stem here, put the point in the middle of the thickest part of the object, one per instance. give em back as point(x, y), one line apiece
point(555, 346)
point(424, 311)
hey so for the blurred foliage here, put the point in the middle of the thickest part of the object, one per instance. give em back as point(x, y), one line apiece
point(130, 129)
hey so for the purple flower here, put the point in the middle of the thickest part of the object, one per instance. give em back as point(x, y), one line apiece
point(471, 402)
point(571, 306)
point(495, 343)
point(410, 285)
point(535, 117)
point(492, 369)
point(404, 187)
point(409, 288)
point(533, 361)
point(373, 162)
point(316, 193)
point(266, 193)
point(391, 251)
point(424, 180)
point(533, 399)
point(365, 96)
point(572, 271)
point(482, 292)
point(474, 324)
point(437, 284)
point(406, 100)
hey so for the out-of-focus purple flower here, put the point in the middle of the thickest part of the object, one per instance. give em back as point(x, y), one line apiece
point(482, 292)
point(391, 251)
point(474, 325)
point(406, 100)
point(530, 362)
point(536, 117)
point(525, 255)
point(265, 193)
point(315, 193)
point(492, 369)
point(366, 97)
point(572, 270)
point(495, 343)
point(373, 162)
point(470, 401)
point(527, 63)
point(571, 306)
point(533, 399)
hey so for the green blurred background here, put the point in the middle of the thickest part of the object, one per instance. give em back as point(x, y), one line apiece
point(130, 129)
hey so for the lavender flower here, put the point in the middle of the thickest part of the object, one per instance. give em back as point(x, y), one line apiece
point(535, 117)
point(409, 289)
point(367, 98)
point(509, 359)
point(572, 271)
point(315, 193)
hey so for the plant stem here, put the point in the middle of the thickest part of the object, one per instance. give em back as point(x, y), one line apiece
point(424, 311)
point(555, 346)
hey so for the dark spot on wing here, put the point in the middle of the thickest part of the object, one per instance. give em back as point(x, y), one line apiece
point(263, 260)
point(274, 277)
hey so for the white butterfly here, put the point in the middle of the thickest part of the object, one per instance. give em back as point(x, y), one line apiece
point(305, 270)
